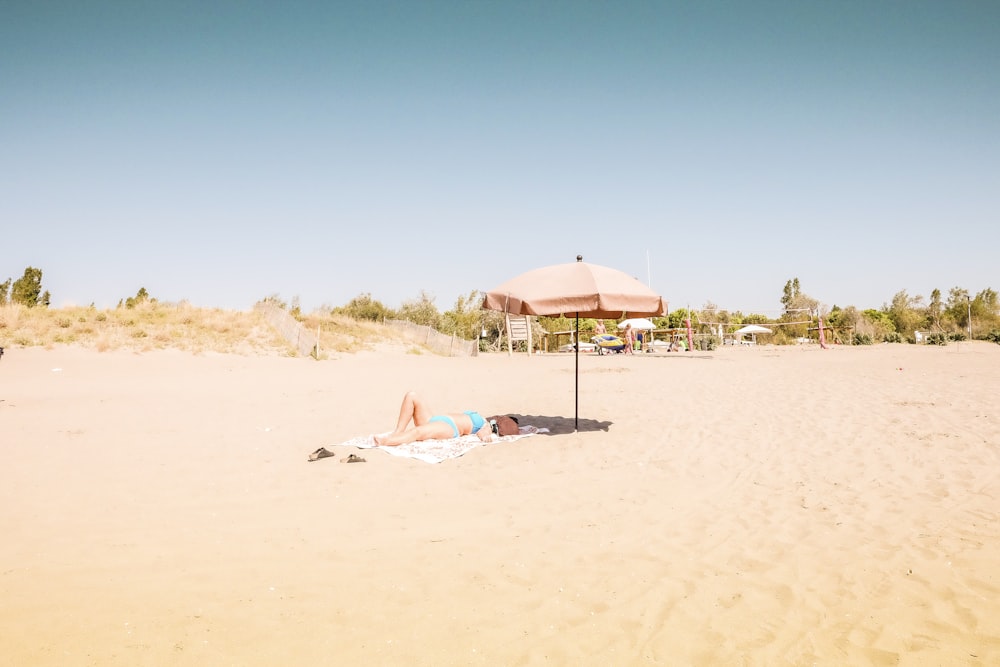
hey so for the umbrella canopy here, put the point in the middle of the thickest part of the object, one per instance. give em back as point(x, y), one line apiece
point(753, 329)
point(640, 323)
point(579, 289)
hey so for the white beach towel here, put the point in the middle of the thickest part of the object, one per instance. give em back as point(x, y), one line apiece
point(435, 451)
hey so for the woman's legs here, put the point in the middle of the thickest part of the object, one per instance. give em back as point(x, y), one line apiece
point(412, 409)
point(415, 409)
point(431, 430)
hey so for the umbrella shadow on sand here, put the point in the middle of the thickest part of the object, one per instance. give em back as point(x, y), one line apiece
point(562, 425)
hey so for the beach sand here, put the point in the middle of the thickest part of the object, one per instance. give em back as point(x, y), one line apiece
point(750, 506)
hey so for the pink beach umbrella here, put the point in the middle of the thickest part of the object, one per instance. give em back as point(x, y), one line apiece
point(579, 289)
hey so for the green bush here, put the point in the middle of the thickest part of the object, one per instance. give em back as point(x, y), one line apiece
point(892, 337)
point(363, 307)
point(994, 336)
point(937, 339)
point(863, 339)
point(27, 290)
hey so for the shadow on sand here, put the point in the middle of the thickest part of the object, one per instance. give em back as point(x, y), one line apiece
point(562, 425)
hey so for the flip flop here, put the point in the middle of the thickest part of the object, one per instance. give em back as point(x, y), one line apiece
point(353, 458)
point(320, 453)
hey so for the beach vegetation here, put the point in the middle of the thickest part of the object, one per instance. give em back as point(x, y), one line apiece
point(145, 327)
point(9, 316)
point(141, 297)
point(493, 332)
point(342, 333)
point(421, 310)
point(364, 322)
point(798, 308)
point(557, 325)
point(906, 313)
point(142, 322)
point(957, 306)
point(843, 324)
point(753, 318)
point(364, 307)
point(795, 301)
point(465, 319)
point(952, 316)
point(27, 290)
point(876, 324)
point(937, 339)
point(986, 310)
point(935, 310)
point(677, 319)
point(274, 300)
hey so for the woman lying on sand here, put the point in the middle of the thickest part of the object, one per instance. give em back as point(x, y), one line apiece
point(427, 426)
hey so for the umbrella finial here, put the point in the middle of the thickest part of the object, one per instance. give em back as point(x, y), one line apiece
point(579, 258)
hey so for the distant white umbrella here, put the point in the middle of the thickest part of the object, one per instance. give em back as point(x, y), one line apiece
point(640, 323)
point(753, 330)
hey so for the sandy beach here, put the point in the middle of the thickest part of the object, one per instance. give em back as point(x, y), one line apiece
point(749, 506)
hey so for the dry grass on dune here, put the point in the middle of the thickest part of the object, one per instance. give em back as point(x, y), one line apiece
point(339, 333)
point(148, 326)
point(155, 325)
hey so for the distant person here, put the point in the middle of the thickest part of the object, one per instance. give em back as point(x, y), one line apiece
point(599, 329)
point(629, 338)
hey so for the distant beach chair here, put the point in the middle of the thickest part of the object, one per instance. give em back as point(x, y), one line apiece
point(518, 328)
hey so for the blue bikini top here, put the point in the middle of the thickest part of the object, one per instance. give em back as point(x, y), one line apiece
point(477, 420)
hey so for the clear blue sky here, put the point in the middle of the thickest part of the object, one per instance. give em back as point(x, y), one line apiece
point(220, 152)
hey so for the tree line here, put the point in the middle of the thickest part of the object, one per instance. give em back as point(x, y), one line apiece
point(27, 291)
point(943, 319)
point(955, 316)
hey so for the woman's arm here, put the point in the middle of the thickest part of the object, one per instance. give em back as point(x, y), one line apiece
point(486, 433)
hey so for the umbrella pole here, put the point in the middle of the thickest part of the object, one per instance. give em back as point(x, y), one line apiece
point(576, 407)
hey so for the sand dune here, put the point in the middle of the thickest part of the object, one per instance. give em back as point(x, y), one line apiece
point(744, 506)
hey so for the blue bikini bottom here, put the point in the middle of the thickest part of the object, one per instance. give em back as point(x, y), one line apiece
point(447, 420)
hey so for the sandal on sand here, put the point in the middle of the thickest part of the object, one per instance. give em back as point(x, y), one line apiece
point(353, 458)
point(320, 453)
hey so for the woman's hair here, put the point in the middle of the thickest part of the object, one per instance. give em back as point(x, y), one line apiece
point(506, 425)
